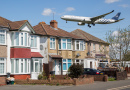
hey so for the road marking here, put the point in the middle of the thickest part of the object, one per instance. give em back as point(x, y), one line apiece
point(119, 88)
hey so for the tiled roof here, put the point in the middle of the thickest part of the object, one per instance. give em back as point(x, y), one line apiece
point(12, 25)
point(87, 36)
point(55, 56)
point(4, 22)
point(43, 29)
point(36, 55)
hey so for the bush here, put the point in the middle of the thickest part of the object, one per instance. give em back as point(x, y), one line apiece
point(40, 77)
point(75, 70)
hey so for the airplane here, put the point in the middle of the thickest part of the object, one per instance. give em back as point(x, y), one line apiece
point(92, 20)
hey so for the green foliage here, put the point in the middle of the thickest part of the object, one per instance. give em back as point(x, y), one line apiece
point(42, 76)
point(111, 79)
point(53, 76)
point(57, 84)
point(75, 70)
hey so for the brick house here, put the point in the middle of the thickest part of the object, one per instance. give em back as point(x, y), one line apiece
point(19, 50)
point(97, 48)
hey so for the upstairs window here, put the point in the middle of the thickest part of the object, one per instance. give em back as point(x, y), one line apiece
point(79, 45)
point(65, 44)
point(52, 43)
point(2, 37)
point(94, 46)
point(33, 41)
point(20, 39)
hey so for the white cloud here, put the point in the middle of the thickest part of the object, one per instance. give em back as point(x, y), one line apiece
point(70, 9)
point(124, 5)
point(47, 11)
point(111, 1)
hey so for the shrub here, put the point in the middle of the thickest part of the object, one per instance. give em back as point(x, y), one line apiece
point(40, 76)
point(75, 70)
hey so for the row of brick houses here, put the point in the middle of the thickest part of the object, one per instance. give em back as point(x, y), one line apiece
point(25, 49)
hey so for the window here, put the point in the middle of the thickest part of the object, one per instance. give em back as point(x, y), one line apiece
point(2, 66)
point(20, 39)
point(52, 43)
point(79, 62)
point(19, 66)
point(2, 37)
point(79, 45)
point(66, 64)
point(33, 41)
point(65, 44)
point(93, 46)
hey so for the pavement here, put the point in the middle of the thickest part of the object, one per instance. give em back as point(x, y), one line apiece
point(110, 85)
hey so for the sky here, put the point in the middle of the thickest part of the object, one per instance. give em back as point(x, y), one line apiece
point(36, 11)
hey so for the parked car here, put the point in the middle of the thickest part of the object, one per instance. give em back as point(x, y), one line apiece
point(91, 71)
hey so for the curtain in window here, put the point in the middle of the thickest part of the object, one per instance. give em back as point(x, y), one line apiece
point(25, 65)
point(17, 66)
point(1, 68)
point(32, 40)
point(21, 38)
point(12, 66)
point(21, 65)
point(81, 45)
point(68, 43)
point(35, 41)
point(17, 38)
point(2, 36)
point(25, 39)
point(36, 66)
point(77, 45)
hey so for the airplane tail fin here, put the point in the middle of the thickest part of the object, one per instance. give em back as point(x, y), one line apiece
point(116, 16)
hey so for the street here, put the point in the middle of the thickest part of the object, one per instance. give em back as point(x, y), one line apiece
point(110, 85)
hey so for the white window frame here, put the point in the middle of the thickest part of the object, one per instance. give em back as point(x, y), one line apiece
point(79, 61)
point(66, 43)
point(66, 64)
point(52, 42)
point(79, 45)
point(33, 42)
point(28, 68)
point(4, 66)
point(5, 37)
point(14, 42)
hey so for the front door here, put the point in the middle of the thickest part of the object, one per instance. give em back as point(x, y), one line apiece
point(36, 66)
point(57, 67)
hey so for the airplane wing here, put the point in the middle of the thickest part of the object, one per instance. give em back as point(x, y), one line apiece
point(93, 19)
point(120, 19)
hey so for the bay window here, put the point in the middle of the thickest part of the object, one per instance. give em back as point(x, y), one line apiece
point(52, 43)
point(2, 37)
point(2, 66)
point(79, 45)
point(20, 39)
point(66, 64)
point(65, 44)
point(33, 41)
point(19, 66)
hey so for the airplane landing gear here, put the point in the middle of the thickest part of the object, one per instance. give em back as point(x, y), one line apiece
point(93, 24)
point(89, 26)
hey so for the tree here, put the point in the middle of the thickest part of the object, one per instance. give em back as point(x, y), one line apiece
point(119, 44)
point(75, 70)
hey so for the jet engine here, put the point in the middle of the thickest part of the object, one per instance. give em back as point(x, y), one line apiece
point(81, 23)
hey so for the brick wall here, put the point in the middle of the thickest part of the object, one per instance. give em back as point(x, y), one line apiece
point(24, 76)
point(99, 77)
point(121, 75)
point(3, 51)
point(58, 81)
point(127, 69)
point(3, 80)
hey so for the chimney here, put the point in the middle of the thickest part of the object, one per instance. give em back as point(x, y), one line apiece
point(54, 24)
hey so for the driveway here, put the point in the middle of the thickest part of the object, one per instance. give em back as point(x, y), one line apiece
point(110, 85)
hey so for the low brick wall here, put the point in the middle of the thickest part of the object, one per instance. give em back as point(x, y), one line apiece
point(3, 80)
point(99, 77)
point(121, 75)
point(23, 76)
point(127, 69)
point(75, 81)
point(82, 81)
